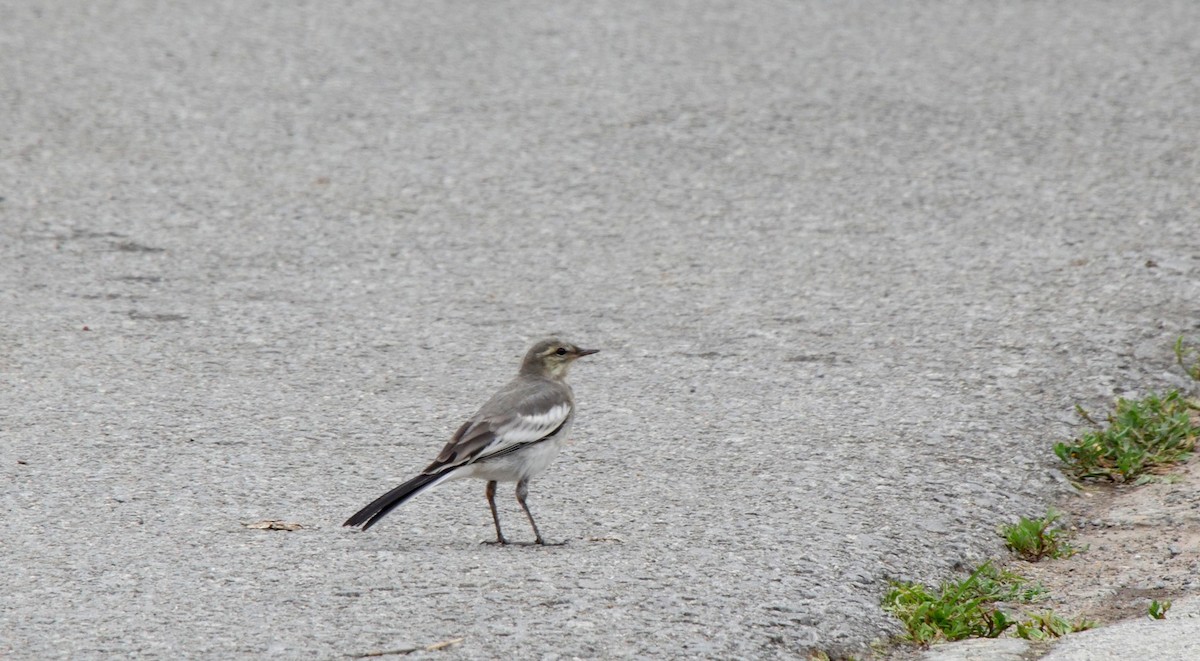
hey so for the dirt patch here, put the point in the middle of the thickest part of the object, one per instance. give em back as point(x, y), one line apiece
point(1141, 543)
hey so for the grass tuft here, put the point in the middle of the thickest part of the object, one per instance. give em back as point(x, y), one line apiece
point(1034, 539)
point(970, 608)
point(1001, 585)
point(1043, 626)
point(959, 609)
point(1143, 435)
point(1188, 357)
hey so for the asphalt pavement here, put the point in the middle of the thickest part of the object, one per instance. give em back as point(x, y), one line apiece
point(851, 265)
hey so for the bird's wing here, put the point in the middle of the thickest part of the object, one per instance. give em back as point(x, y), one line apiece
point(514, 417)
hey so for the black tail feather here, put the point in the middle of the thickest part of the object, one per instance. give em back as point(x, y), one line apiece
point(367, 516)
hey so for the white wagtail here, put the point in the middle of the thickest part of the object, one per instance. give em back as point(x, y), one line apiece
point(513, 438)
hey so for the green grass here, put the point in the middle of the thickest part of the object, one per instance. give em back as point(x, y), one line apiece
point(1043, 626)
point(1158, 609)
point(1034, 539)
point(1188, 357)
point(1143, 436)
point(1000, 585)
point(959, 609)
point(969, 608)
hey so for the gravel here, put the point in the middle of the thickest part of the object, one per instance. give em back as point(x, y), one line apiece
point(851, 266)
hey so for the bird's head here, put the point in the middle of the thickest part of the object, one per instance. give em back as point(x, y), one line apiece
point(552, 358)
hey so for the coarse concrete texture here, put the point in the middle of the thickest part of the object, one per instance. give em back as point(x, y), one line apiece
point(851, 265)
point(1177, 636)
point(983, 649)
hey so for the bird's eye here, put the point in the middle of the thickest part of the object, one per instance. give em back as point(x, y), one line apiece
point(561, 351)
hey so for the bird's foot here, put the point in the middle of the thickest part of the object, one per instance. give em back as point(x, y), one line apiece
point(505, 542)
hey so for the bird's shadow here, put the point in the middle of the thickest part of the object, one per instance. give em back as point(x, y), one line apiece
point(493, 542)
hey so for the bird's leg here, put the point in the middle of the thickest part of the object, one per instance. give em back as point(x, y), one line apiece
point(522, 493)
point(491, 496)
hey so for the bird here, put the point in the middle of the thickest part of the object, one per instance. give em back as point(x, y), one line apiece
point(513, 437)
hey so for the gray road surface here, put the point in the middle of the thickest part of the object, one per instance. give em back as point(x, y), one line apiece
point(851, 265)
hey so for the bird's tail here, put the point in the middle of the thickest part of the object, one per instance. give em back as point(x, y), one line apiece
point(367, 516)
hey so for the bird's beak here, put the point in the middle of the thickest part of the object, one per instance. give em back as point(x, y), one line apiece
point(585, 352)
